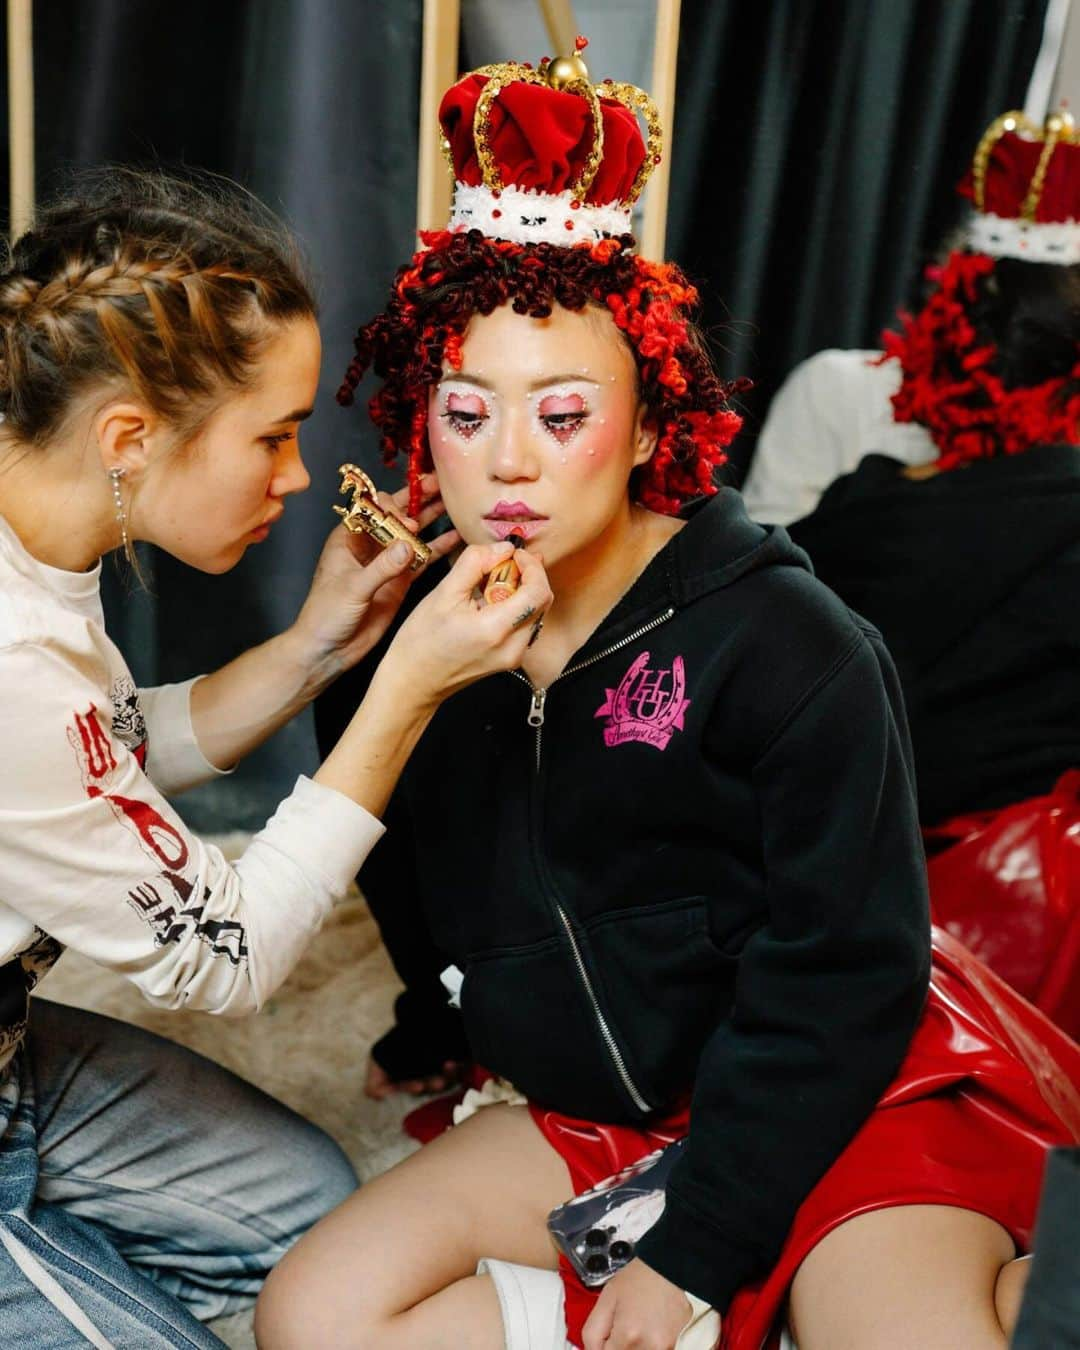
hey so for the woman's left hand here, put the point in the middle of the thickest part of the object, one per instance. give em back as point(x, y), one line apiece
point(358, 586)
point(637, 1310)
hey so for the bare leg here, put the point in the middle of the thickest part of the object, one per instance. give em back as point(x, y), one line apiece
point(394, 1266)
point(925, 1275)
point(1009, 1293)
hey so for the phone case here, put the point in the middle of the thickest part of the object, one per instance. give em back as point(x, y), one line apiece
point(598, 1231)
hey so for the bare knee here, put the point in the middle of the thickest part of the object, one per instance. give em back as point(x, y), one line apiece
point(1009, 1292)
point(292, 1313)
point(279, 1312)
point(921, 1275)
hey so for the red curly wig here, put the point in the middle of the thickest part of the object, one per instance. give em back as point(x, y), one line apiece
point(991, 363)
point(459, 275)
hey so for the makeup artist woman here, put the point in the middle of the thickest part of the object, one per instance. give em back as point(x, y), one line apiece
point(158, 351)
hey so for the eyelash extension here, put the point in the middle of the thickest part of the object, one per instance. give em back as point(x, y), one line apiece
point(568, 422)
point(465, 429)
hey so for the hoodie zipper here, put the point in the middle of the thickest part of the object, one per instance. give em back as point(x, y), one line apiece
point(601, 1021)
point(535, 719)
point(535, 716)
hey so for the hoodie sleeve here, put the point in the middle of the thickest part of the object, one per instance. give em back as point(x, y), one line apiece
point(829, 990)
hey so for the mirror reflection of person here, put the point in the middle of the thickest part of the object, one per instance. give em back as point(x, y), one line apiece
point(158, 353)
point(832, 409)
point(970, 566)
point(674, 857)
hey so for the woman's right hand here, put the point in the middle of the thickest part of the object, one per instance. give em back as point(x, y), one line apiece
point(449, 640)
point(453, 638)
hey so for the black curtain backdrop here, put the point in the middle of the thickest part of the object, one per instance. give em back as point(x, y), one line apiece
point(816, 145)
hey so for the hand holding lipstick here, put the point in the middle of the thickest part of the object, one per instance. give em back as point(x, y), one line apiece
point(506, 577)
point(359, 584)
point(452, 639)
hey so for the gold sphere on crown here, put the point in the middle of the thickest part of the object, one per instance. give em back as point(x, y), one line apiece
point(1059, 123)
point(566, 70)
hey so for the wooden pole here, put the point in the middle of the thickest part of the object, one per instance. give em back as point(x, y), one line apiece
point(561, 26)
point(20, 44)
point(438, 71)
point(665, 64)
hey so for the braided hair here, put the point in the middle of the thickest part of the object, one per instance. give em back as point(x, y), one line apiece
point(462, 274)
point(157, 284)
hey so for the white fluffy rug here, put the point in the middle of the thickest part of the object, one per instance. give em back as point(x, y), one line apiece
point(308, 1046)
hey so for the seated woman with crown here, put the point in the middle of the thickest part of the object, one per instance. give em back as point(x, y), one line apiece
point(673, 862)
point(970, 566)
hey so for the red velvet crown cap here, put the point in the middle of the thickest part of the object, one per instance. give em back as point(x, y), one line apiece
point(541, 138)
point(1009, 171)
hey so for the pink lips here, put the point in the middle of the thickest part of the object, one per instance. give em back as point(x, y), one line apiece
point(506, 518)
point(261, 531)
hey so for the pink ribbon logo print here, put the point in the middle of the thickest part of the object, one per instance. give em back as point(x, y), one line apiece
point(649, 705)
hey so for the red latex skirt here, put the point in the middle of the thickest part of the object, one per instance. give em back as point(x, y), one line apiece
point(987, 1088)
point(1007, 884)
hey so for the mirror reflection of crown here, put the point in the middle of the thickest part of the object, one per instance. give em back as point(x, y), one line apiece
point(1024, 183)
point(543, 155)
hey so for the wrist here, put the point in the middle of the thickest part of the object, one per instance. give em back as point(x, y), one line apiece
point(316, 664)
point(375, 747)
point(397, 698)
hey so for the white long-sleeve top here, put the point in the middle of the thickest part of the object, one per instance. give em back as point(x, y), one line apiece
point(834, 408)
point(92, 856)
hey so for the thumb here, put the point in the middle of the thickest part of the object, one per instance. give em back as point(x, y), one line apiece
point(387, 564)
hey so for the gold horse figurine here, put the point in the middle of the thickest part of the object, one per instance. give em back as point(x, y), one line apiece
point(364, 515)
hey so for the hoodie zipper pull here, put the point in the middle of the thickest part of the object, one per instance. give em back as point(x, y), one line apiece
point(536, 708)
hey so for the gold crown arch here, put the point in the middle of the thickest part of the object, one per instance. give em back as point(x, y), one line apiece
point(441, 29)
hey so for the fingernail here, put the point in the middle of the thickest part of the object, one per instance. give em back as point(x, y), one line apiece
point(400, 552)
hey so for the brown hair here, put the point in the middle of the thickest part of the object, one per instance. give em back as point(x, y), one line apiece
point(159, 282)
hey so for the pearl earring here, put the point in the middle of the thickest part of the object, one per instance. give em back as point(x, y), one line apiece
point(115, 474)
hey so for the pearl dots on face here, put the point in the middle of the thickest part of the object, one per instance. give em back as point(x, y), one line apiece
point(549, 415)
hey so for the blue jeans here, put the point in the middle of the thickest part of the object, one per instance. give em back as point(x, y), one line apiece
point(143, 1189)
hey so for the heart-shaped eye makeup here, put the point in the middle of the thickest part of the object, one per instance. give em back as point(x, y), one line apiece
point(563, 415)
point(466, 413)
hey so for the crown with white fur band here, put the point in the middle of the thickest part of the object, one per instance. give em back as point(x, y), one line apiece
point(1024, 184)
point(543, 155)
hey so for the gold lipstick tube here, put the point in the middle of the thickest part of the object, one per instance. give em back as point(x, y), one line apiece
point(502, 582)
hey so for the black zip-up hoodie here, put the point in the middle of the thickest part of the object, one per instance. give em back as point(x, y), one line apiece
point(700, 871)
point(973, 578)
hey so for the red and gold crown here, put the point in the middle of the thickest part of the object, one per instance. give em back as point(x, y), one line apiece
point(544, 155)
point(1024, 183)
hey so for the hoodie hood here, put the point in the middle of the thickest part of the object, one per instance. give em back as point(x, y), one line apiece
point(718, 545)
